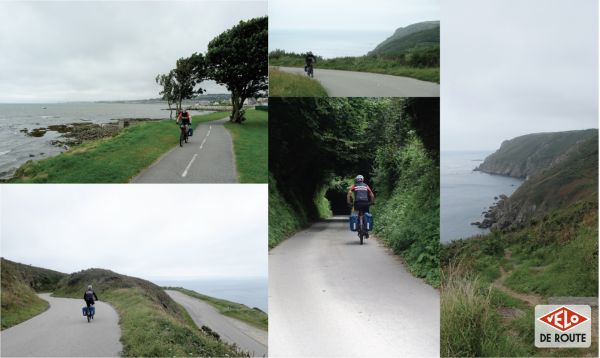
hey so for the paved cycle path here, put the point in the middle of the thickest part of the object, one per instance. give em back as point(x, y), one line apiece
point(364, 84)
point(331, 296)
point(62, 331)
point(248, 338)
point(207, 158)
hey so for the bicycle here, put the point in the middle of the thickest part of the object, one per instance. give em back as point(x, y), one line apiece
point(89, 312)
point(183, 135)
point(362, 231)
point(362, 227)
point(310, 70)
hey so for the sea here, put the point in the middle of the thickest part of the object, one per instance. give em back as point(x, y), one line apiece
point(465, 194)
point(327, 43)
point(251, 292)
point(16, 147)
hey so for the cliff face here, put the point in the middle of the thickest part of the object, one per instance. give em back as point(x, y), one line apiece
point(562, 169)
point(528, 155)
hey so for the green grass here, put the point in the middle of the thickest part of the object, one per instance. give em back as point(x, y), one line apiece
point(110, 160)
point(284, 219)
point(557, 256)
point(362, 64)
point(407, 219)
point(282, 84)
point(152, 324)
point(19, 285)
point(252, 316)
point(251, 146)
point(469, 325)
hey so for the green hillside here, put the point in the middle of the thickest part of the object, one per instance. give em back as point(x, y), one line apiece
point(19, 285)
point(529, 154)
point(152, 324)
point(544, 246)
point(420, 35)
point(561, 167)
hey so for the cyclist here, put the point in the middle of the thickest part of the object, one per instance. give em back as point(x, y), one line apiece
point(186, 121)
point(89, 296)
point(309, 59)
point(363, 196)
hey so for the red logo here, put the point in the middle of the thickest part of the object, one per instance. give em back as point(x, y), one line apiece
point(563, 319)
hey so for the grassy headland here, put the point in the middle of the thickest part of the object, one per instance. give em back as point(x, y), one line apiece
point(20, 283)
point(152, 324)
point(252, 316)
point(284, 84)
point(411, 51)
point(250, 144)
point(109, 160)
point(546, 248)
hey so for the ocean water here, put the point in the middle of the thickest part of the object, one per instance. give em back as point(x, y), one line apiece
point(465, 194)
point(327, 43)
point(16, 148)
point(251, 292)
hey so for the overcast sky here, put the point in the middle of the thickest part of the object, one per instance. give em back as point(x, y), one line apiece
point(73, 51)
point(350, 15)
point(513, 67)
point(167, 232)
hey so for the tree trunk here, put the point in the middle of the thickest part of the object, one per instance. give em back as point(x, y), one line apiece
point(236, 114)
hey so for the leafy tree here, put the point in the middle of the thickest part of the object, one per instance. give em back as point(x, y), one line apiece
point(168, 89)
point(237, 58)
point(188, 73)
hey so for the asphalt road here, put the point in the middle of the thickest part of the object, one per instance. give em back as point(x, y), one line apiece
point(330, 296)
point(364, 84)
point(206, 158)
point(62, 331)
point(248, 338)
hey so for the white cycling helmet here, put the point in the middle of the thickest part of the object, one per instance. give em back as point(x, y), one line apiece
point(359, 178)
point(89, 287)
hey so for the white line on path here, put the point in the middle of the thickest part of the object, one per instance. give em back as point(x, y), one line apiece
point(195, 155)
point(189, 165)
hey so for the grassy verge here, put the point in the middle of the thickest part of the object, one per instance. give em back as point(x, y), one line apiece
point(110, 160)
point(284, 220)
point(554, 257)
point(252, 316)
point(408, 217)
point(19, 285)
point(363, 64)
point(152, 324)
point(282, 84)
point(251, 146)
point(19, 303)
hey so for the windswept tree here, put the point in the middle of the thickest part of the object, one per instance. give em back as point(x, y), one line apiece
point(238, 59)
point(188, 72)
point(168, 90)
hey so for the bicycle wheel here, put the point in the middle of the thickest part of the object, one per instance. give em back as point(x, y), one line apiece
point(88, 316)
point(181, 139)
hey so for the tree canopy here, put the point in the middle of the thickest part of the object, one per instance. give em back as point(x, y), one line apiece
point(238, 59)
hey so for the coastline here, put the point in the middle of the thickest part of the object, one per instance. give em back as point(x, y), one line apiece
point(110, 159)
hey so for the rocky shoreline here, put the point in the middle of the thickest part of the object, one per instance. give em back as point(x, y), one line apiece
point(72, 134)
point(490, 216)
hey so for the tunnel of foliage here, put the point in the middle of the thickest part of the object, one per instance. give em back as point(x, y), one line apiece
point(318, 145)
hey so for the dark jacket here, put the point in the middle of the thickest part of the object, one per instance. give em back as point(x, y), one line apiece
point(89, 296)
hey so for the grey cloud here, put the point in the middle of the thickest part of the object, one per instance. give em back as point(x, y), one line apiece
point(105, 50)
point(510, 68)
